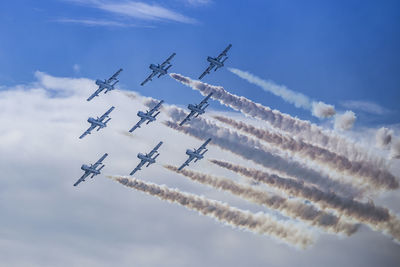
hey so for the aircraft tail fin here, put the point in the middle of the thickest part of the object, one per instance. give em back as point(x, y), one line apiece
point(102, 166)
point(156, 156)
point(107, 121)
point(204, 152)
point(168, 68)
point(113, 85)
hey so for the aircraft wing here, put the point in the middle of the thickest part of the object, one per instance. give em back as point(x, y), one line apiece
point(186, 163)
point(137, 125)
point(209, 68)
point(105, 115)
point(166, 62)
point(138, 167)
point(155, 149)
point(204, 101)
point(88, 131)
point(223, 54)
point(96, 93)
point(114, 77)
point(86, 174)
point(100, 161)
point(203, 146)
point(188, 117)
point(155, 108)
point(154, 73)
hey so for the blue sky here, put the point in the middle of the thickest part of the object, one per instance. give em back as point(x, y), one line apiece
point(334, 51)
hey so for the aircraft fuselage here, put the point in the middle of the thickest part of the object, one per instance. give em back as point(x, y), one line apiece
point(96, 122)
point(90, 169)
point(143, 115)
point(215, 62)
point(196, 109)
point(145, 158)
point(194, 153)
point(158, 69)
point(103, 84)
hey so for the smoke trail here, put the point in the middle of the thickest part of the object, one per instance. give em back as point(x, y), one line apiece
point(318, 109)
point(395, 149)
point(298, 99)
point(348, 206)
point(377, 218)
point(258, 223)
point(345, 121)
point(250, 149)
point(284, 122)
point(292, 208)
point(383, 137)
point(322, 110)
point(365, 170)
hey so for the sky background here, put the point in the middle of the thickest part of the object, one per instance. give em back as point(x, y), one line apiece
point(343, 53)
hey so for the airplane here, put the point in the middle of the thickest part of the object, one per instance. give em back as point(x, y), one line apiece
point(147, 158)
point(197, 109)
point(217, 62)
point(148, 116)
point(159, 69)
point(195, 154)
point(97, 123)
point(106, 84)
point(92, 169)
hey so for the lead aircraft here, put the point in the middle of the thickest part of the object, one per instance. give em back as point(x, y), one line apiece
point(217, 62)
point(158, 69)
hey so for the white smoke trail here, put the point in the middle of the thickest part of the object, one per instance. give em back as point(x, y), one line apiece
point(395, 149)
point(383, 137)
point(253, 150)
point(345, 121)
point(318, 109)
point(291, 208)
point(363, 170)
point(260, 223)
point(294, 126)
point(323, 110)
point(378, 218)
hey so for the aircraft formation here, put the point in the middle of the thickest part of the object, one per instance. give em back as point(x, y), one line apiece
point(149, 116)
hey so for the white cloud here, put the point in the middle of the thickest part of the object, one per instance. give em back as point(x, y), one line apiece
point(48, 222)
point(76, 68)
point(138, 10)
point(366, 106)
point(197, 2)
point(95, 22)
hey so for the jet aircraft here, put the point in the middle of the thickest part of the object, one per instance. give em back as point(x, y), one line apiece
point(217, 62)
point(159, 69)
point(106, 84)
point(197, 109)
point(99, 122)
point(195, 154)
point(147, 116)
point(92, 169)
point(147, 158)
